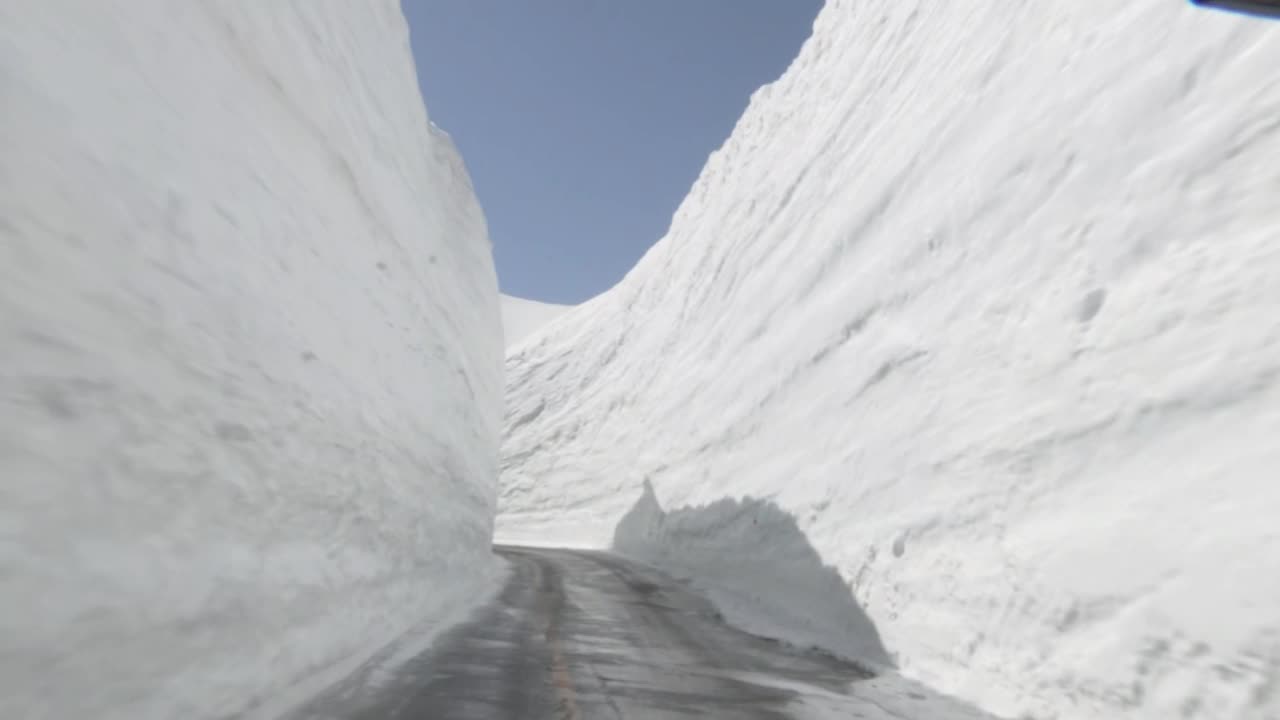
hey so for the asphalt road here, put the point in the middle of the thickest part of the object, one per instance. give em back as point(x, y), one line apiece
point(577, 635)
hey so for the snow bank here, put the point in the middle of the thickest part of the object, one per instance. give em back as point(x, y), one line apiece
point(521, 318)
point(752, 560)
point(985, 297)
point(250, 381)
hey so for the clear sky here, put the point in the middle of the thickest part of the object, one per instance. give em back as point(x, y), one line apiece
point(584, 122)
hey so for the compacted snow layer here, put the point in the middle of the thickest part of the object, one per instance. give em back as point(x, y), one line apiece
point(521, 318)
point(753, 561)
point(984, 298)
point(250, 384)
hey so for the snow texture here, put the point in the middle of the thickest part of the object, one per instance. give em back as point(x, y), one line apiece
point(735, 551)
point(984, 297)
point(250, 386)
point(522, 318)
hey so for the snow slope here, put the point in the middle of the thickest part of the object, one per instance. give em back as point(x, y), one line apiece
point(521, 318)
point(250, 385)
point(984, 298)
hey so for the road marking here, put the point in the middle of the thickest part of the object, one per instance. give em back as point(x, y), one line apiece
point(561, 680)
point(566, 699)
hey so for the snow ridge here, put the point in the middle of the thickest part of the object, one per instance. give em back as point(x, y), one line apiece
point(984, 297)
point(522, 318)
point(250, 391)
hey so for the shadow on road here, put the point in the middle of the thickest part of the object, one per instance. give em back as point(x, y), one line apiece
point(752, 560)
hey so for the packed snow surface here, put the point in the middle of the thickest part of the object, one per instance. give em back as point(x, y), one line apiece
point(979, 309)
point(522, 318)
point(250, 386)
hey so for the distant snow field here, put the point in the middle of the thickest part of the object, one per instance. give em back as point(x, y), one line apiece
point(973, 328)
point(522, 318)
point(250, 357)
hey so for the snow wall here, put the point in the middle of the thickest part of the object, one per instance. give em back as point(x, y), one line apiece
point(983, 298)
point(250, 385)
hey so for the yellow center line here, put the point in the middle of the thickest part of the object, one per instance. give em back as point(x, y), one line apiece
point(561, 680)
point(566, 699)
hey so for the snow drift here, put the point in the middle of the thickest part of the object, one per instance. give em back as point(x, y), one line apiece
point(752, 560)
point(250, 383)
point(984, 298)
point(522, 318)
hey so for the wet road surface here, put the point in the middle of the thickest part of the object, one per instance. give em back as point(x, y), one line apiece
point(580, 635)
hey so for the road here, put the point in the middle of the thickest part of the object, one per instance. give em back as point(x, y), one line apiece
point(580, 635)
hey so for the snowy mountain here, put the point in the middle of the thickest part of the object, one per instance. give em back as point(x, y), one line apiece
point(521, 318)
point(250, 387)
point(977, 308)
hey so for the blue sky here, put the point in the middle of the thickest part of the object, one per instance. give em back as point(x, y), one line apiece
point(584, 122)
